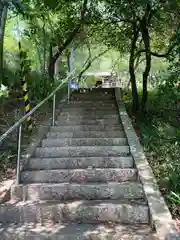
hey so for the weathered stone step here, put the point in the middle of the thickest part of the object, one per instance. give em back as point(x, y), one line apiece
point(97, 109)
point(79, 162)
point(80, 121)
point(86, 128)
point(51, 231)
point(80, 105)
point(82, 151)
point(67, 191)
point(87, 134)
point(95, 98)
point(96, 90)
point(93, 93)
point(92, 96)
point(91, 102)
point(84, 142)
point(89, 105)
point(77, 211)
point(79, 175)
point(91, 114)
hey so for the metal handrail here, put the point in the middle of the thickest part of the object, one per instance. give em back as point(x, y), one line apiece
point(19, 123)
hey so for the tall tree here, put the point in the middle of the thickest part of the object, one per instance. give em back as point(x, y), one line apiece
point(3, 17)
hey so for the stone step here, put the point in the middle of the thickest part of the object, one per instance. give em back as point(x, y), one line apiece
point(88, 105)
point(95, 91)
point(87, 134)
point(95, 97)
point(67, 191)
point(55, 231)
point(79, 162)
point(86, 128)
point(91, 114)
point(127, 211)
point(79, 175)
point(96, 110)
point(84, 142)
point(90, 102)
point(80, 121)
point(82, 151)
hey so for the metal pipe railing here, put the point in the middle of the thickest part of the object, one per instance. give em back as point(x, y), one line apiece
point(19, 154)
point(54, 110)
point(19, 123)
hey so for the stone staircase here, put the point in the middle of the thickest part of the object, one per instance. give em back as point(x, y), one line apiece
point(81, 182)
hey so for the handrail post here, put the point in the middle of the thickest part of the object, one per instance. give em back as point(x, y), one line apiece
point(19, 154)
point(70, 69)
point(69, 89)
point(54, 109)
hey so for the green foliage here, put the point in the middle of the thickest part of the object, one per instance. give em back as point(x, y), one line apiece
point(159, 132)
point(174, 198)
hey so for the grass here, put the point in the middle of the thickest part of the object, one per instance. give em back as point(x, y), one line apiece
point(159, 133)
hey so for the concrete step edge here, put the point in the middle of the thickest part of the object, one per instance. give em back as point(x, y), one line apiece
point(76, 232)
point(82, 151)
point(83, 126)
point(79, 175)
point(71, 121)
point(83, 142)
point(86, 134)
point(133, 211)
point(74, 191)
point(80, 162)
point(83, 107)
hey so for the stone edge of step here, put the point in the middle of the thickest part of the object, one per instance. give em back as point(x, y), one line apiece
point(82, 163)
point(22, 192)
point(93, 211)
point(86, 134)
point(82, 127)
point(76, 231)
point(79, 175)
point(80, 151)
point(83, 142)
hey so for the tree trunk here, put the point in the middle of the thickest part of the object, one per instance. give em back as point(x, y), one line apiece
point(38, 52)
point(52, 61)
point(68, 40)
point(57, 68)
point(135, 98)
point(68, 63)
point(3, 17)
point(146, 40)
point(44, 51)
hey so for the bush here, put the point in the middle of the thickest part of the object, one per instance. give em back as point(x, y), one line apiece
point(159, 132)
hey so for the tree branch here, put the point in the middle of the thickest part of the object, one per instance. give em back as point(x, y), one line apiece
point(89, 56)
point(116, 19)
point(89, 63)
point(71, 36)
point(162, 55)
point(115, 63)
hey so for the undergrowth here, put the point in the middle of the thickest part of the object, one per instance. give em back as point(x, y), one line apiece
point(11, 111)
point(159, 133)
